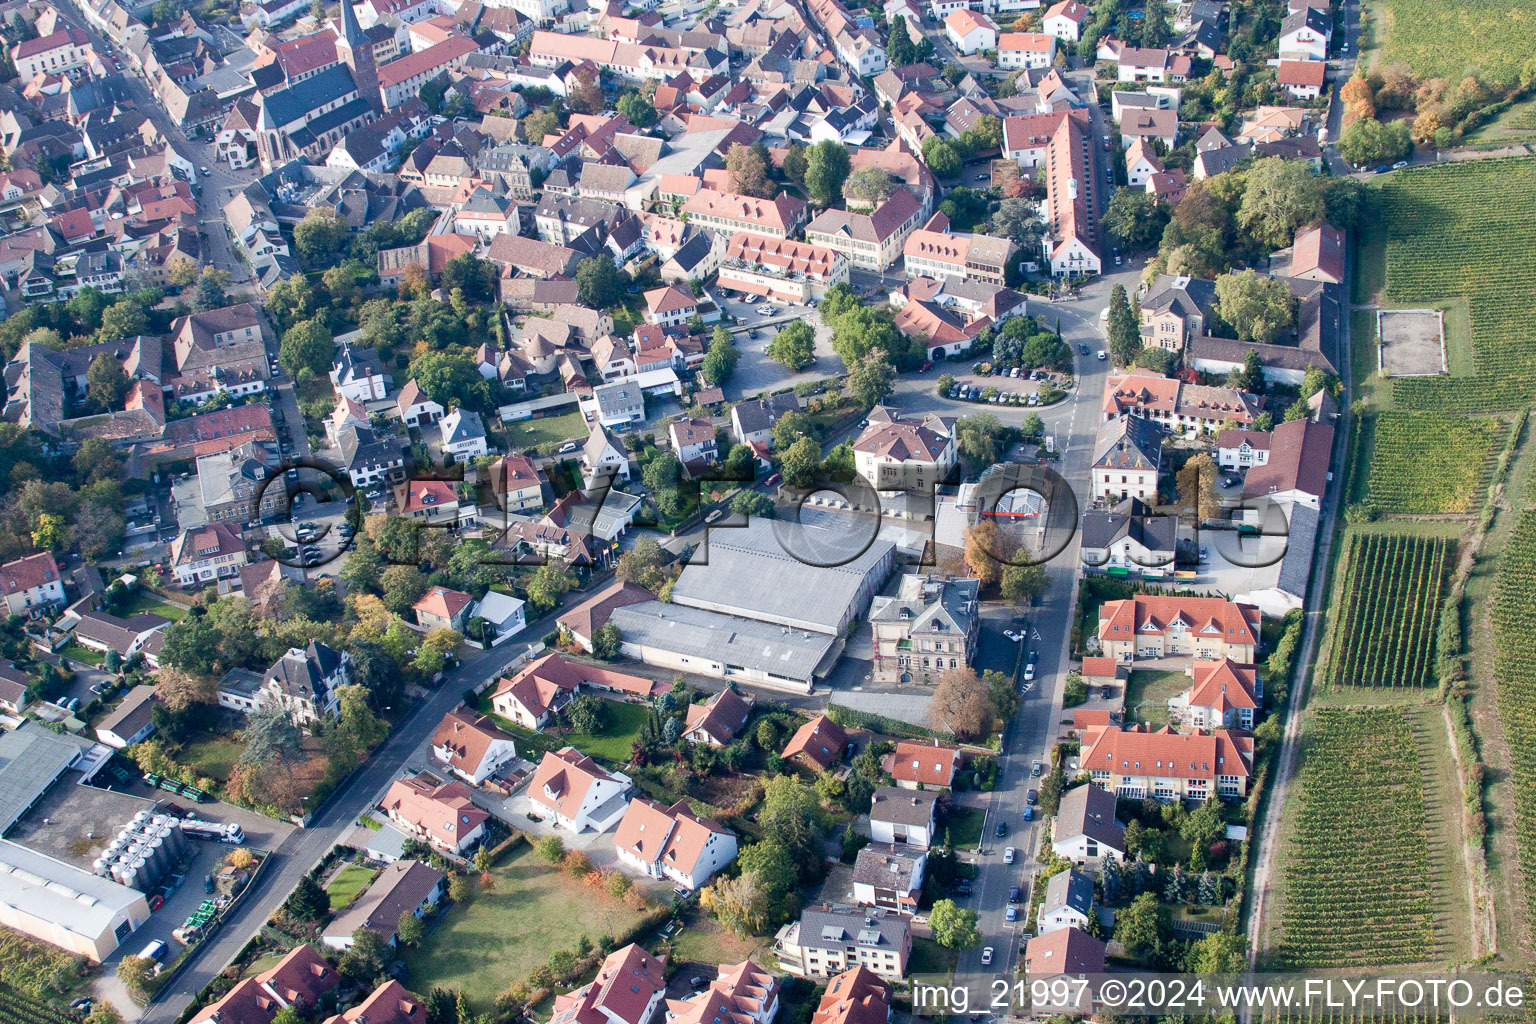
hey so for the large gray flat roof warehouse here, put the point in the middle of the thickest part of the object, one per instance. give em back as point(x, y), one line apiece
point(729, 639)
point(782, 572)
point(31, 759)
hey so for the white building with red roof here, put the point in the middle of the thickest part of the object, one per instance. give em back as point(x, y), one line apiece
point(970, 32)
point(401, 79)
point(472, 746)
point(1318, 253)
point(31, 584)
point(1223, 694)
point(743, 993)
point(672, 843)
point(209, 552)
point(432, 501)
point(62, 50)
point(441, 608)
point(541, 689)
point(1180, 408)
point(903, 455)
point(1138, 763)
point(779, 217)
point(577, 793)
point(628, 988)
point(1155, 626)
point(1065, 953)
point(1064, 20)
point(1025, 50)
point(819, 742)
point(1303, 79)
point(856, 996)
point(390, 1003)
point(672, 306)
point(445, 817)
point(782, 270)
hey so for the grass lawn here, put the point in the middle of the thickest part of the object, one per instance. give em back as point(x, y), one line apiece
point(565, 427)
point(79, 652)
point(142, 602)
point(965, 826)
point(348, 883)
point(498, 937)
point(703, 940)
point(211, 754)
point(1147, 693)
point(928, 957)
point(621, 725)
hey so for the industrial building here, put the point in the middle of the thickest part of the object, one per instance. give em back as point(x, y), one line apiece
point(32, 759)
point(800, 577)
point(63, 905)
point(724, 646)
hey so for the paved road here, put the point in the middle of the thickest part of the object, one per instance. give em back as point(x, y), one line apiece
point(216, 189)
point(303, 849)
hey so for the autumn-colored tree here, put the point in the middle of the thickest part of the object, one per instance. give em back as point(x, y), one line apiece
point(1197, 488)
point(961, 705)
point(179, 690)
point(1425, 126)
point(1359, 98)
point(986, 550)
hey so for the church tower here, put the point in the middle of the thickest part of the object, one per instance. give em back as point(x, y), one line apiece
point(353, 49)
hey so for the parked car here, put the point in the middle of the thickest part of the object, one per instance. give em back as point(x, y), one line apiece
point(986, 955)
point(1011, 635)
point(1103, 355)
point(1011, 914)
point(1001, 830)
point(1036, 768)
point(1009, 854)
point(1083, 349)
point(1029, 814)
point(1029, 673)
point(569, 446)
point(156, 903)
point(1034, 797)
point(1013, 894)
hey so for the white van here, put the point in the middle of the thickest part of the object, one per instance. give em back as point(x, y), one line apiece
point(154, 951)
point(1104, 315)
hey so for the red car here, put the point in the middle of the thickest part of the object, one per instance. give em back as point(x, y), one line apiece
point(928, 365)
point(156, 903)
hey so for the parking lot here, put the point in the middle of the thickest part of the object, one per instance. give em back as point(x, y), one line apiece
point(753, 331)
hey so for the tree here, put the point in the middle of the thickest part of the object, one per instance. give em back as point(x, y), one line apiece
point(409, 932)
point(1022, 582)
point(794, 347)
point(987, 130)
point(748, 171)
point(1257, 307)
point(179, 690)
point(1136, 218)
point(941, 157)
point(860, 329)
point(986, 550)
point(124, 319)
point(307, 345)
point(1154, 26)
point(899, 48)
point(449, 379)
point(979, 438)
point(1200, 828)
point(1016, 219)
point(1367, 142)
point(358, 722)
point(1250, 377)
point(308, 901)
point(208, 293)
point(138, 973)
point(752, 503)
point(954, 927)
point(869, 185)
point(1139, 927)
point(1124, 333)
point(271, 735)
point(104, 1013)
point(547, 584)
point(639, 110)
point(585, 713)
point(1197, 488)
point(826, 167)
point(1279, 196)
point(539, 124)
point(106, 383)
point(598, 285)
point(800, 464)
point(550, 848)
point(737, 903)
point(872, 378)
point(1217, 953)
point(586, 95)
point(474, 278)
point(366, 959)
point(961, 705)
point(320, 234)
point(720, 361)
point(458, 888)
point(607, 642)
point(1358, 97)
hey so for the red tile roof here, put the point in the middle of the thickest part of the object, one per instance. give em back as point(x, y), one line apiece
point(466, 737)
point(446, 813)
point(390, 1003)
point(858, 996)
point(448, 52)
point(1224, 685)
point(1064, 951)
point(567, 774)
point(1169, 755)
point(620, 994)
point(1148, 614)
point(820, 741)
point(926, 763)
point(1302, 72)
point(442, 602)
point(28, 573)
point(301, 977)
point(721, 717)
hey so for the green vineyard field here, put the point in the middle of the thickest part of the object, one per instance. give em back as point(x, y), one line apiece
point(1447, 40)
point(1459, 230)
point(1514, 630)
point(1384, 626)
point(1357, 868)
point(1403, 481)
